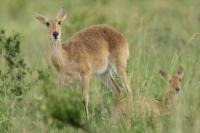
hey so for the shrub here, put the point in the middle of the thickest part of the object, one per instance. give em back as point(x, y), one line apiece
point(15, 72)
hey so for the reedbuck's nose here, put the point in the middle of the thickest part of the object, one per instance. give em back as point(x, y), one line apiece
point(177, 89)
point(55, 34)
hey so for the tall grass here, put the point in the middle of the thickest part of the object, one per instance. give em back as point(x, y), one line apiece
point(161, 34)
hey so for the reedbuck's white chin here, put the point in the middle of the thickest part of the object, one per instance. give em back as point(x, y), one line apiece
point(54, 41)
point(175, 93)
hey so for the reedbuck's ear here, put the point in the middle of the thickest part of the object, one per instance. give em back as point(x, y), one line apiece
point(179, 71)
point(41, 19)
point(164, 74)
point(61, 14)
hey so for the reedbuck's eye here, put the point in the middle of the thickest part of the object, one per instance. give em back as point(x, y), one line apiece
point(47, 23)
point(59, 22)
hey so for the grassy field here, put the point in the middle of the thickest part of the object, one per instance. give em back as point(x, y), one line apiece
point(162, 34)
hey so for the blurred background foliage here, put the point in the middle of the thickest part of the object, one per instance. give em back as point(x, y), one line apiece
point(161, 34)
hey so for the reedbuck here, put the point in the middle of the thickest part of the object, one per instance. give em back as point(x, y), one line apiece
point(147, 105)
point(97, 50)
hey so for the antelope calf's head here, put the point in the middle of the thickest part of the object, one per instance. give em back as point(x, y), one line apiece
point(53, 25)
point(173, 81)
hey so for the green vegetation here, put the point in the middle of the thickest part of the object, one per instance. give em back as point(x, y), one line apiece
point(161, 34)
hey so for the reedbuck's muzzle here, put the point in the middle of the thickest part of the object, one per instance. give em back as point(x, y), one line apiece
point(55, 34)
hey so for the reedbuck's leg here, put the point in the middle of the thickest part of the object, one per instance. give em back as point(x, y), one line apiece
point(85, 88)
point(121, 71)
point(64, 80)
point(115, 83)
point(107, 80)
point(60, 82)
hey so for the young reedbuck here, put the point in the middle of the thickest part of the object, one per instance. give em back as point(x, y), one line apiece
point(97, 50)
point(147, 105)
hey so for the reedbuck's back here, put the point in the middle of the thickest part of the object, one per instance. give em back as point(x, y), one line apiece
point(147, 105)
point(97, 50)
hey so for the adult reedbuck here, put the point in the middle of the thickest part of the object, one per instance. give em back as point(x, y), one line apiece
point(147, 105)
point(97, 50)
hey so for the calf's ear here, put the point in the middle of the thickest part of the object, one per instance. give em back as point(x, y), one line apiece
point(180, 71)
point(164, 74)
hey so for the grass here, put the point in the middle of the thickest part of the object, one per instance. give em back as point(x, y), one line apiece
point(161, 34)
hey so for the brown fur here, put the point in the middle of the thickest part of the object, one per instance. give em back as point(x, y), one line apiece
point(94, 50)
point(94, 46)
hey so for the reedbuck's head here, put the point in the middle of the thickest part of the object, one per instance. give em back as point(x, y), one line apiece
point(53, 25)
point(173, 81)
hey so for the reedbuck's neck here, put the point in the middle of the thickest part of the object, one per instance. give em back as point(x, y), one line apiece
point(165, 100)
point(56, 52)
